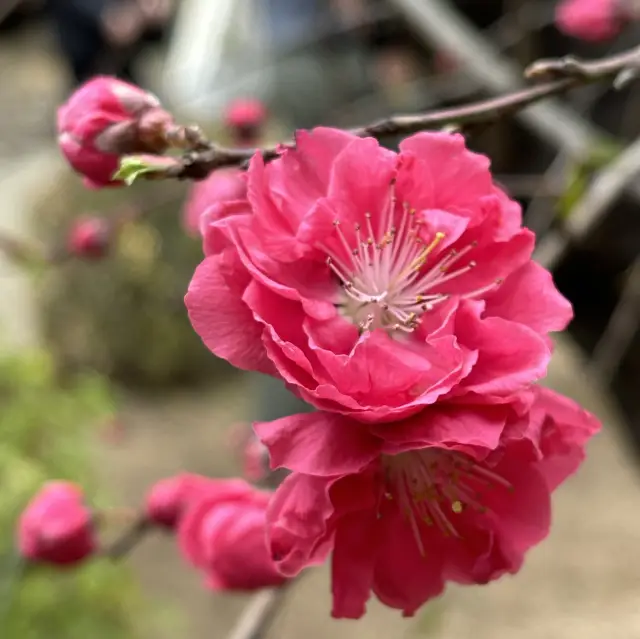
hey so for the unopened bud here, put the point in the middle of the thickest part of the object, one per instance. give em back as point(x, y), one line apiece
point(167, 499)
point(56, 527)
point(245, 118)
point(105, 119)
point(90, 238)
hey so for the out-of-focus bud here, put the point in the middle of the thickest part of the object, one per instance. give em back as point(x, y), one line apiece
point(168, 499)
point(105, 119)
point(592, 20)
point(245, 119)
point(90, 238)
point(224, 534)
point(56, 527)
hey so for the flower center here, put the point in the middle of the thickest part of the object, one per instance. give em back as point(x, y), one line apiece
point(386, 276)
point(433, 486)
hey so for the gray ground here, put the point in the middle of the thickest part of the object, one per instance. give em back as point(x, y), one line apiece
point(584, 582)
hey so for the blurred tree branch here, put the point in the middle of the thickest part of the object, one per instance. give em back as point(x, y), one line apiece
point(564, 73)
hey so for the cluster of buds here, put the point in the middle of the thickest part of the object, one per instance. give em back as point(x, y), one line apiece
point(220, 526)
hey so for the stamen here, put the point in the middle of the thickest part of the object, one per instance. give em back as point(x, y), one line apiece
point(433, 486)
point(422, 258)
point(383, 269)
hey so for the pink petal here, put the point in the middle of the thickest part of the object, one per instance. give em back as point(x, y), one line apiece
point(404, 578)
point(564, 432)
point(319, 444)
point(297, 517)
point(494, 261)
point(445, 426)
point(361, 177)
point(455, 177)
point(220, 317)
point(509, 354)
point(353, 562)
point(529, 296)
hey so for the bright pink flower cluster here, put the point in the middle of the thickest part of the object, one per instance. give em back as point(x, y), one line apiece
point(593, 20)
point(105, 119)
point(396, 293)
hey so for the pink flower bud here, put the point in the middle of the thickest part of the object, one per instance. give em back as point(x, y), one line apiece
point(168, 498)
point(104, 119)
point(224, 534)
point(592, 20)
point(245, 113)
point(89, 238)
point(56, 527)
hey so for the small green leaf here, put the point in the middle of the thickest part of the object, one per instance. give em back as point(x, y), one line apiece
point(133, 166)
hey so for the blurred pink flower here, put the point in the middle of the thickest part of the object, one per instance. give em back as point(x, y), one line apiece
point(104, 119)
point(89, 238)
point(221, 186)
point(409, 506)
point(168, 499)
point(223, 533)
point(56, 527)
point(593, 20)
point(376, 283)
point(245, 113)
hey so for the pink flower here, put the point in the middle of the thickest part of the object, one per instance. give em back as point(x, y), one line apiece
point(224, 185)
point(168, 499)
point(410, 506)
point(246, 113)
point(593, 20)
point(56, 527)
point(89, 238)
point(377, 283)
point(105, 119)
point(223, 533)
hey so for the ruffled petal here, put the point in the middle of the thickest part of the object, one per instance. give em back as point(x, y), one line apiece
point(220, 317)
point(319, 444)
point(528, 296)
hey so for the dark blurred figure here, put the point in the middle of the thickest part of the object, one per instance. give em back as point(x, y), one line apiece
point(106, 36)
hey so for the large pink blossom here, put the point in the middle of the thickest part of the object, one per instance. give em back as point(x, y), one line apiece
point(376, 283)
point(593, 20)
point(407, 507)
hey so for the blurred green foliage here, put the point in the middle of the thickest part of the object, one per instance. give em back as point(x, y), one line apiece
point(580, 173)
point(125, 315)
point(44, 434)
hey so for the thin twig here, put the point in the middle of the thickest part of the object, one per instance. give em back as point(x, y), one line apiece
point(568, 73)
point(130, 538)
point(255, 620)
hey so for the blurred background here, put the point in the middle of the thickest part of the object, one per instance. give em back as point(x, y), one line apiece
point(103, 381)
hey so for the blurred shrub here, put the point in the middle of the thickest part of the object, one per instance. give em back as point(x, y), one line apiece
point(44, 435)
point(124, 316)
